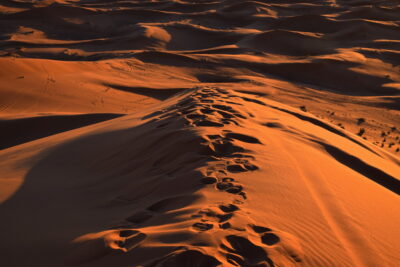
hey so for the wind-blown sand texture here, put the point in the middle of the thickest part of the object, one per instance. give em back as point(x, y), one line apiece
point(199, 133)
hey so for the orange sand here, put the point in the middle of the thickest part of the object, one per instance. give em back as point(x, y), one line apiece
point(199, 133)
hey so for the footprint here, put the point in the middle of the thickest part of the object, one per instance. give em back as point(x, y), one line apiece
point(270, 239)
point(227, 179)
point(93, 246)
point(208, 123)
point(214, 136)
point(229, 121)
point(267, 237)
point(224, 108)
point(242, 252)
point(234, 103)
point(225, 148)
point(291, 246)
point(260, 229)
point(226, 115)
point(236, 168)
point(225, 225)
point(207, 110)
point(240, 115)
point(243, 194)
point(208, 180)
point(188, 110)
point(224, 217)
point(207, 101)
point(239, 155)
point(229, 187)
point(254, 101)
point(195, 116)
point(243, 138)
point(224, 185)
point(132, 239)
point(227, 111)
point(228, 208)
point(241, 161)
point(202, 226)
point(250, 167)
point(221, 148)
point(208, 215)
point(234, 189)
point(222, 91)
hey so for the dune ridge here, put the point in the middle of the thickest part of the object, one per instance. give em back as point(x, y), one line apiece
point(217, 147)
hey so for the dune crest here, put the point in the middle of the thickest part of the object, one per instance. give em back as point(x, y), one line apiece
point(182, 184)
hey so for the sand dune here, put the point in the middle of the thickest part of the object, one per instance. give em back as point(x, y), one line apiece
point(225, 153)
point(199, 133)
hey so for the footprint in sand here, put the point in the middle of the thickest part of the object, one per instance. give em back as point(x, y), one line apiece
point(93, 246)
point(229, 208)
point(210, 215)
point(202, 226)
point(266, 235)
point(130, 239)
point(208, 180)
point(271, 239)
point(240, 251)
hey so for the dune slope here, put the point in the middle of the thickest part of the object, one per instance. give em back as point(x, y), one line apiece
point(212, 177)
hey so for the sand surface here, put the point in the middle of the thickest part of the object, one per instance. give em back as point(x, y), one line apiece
point(199, 133)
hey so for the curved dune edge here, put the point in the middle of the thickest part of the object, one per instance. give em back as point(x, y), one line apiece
point(327, 55)
point(212, 177)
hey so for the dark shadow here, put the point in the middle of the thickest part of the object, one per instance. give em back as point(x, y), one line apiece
point(252, 93)
point(213, 78)
point(374, 174)
point(77, 188)
point(328, 75)
point(19, 131)
point(170, 59)
point(390, 102)
point(160, 94)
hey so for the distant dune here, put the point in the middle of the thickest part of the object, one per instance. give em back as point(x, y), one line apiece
point(199, 133)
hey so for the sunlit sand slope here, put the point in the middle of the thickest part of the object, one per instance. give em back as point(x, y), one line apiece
point(211, 177)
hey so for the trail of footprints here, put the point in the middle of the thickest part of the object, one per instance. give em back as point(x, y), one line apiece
point(211, 107)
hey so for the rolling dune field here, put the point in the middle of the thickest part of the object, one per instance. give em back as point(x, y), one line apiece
point(200, 133)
